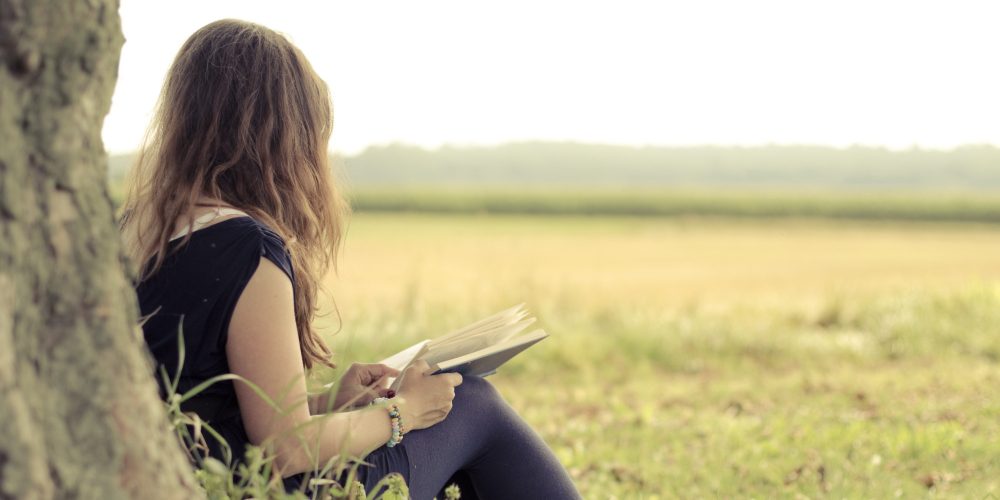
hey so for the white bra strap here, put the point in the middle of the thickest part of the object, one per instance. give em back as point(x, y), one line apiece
point(229, 211)
point(203, 220)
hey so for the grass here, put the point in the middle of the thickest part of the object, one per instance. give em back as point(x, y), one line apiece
point(749, 203)
point(753, 203)
point(695, 357)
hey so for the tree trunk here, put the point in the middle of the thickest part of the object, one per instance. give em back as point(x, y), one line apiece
point(79, 412)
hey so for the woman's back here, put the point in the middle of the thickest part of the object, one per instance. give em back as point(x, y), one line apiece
point(193, 295)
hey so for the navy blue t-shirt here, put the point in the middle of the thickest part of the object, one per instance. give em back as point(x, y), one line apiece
point(193, 294)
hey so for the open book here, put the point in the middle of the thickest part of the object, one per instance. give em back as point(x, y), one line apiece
point(477, 349)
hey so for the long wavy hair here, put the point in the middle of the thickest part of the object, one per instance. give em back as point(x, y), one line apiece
point(242, 118)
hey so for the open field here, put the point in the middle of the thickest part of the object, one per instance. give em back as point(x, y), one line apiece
point(651, 263)
point(871, 204)
point(697, 357)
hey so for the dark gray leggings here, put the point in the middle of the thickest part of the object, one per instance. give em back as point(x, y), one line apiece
point(483, 442)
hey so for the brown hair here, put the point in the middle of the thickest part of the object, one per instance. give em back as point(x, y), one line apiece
point(242, 118)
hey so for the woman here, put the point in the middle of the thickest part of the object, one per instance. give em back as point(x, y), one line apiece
point(234, 216)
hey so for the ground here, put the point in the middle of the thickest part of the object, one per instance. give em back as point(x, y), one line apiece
point(696, 357)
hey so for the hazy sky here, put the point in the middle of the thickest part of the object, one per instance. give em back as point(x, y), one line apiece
point(837, 72)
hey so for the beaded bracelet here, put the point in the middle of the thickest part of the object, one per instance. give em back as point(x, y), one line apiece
point(395, 419)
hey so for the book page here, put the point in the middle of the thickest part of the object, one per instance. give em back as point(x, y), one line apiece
point(487, 360)
point(496, 336)
point(402, 359)
point(507, 316)
point(458, 346)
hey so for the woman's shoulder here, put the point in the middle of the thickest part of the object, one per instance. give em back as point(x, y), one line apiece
point(241, 239)
point(272, 246)
point(248, 226)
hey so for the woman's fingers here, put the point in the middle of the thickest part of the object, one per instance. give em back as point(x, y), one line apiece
point(420, 366)
point(376, 373)
point(385, 371)
point(453, 379)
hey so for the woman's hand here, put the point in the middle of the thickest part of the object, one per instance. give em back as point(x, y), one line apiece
point(362, 383)
point(425, 398)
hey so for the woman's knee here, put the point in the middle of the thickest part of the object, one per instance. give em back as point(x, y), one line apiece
point(479, 404)
point(477, 394)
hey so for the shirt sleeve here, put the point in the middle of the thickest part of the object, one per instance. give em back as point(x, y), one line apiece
point(273, 248)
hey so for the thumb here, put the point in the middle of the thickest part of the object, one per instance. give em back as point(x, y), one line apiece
point(380, 370)
point(377, 373)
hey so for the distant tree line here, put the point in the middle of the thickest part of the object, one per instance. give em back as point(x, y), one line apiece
point(975, 167)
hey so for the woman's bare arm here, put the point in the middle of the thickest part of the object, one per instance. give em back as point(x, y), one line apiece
point(263, 348)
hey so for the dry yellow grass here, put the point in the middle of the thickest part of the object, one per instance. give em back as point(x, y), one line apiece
point(651, 262)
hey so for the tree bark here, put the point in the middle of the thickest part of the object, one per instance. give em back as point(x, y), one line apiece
point(79, 412)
